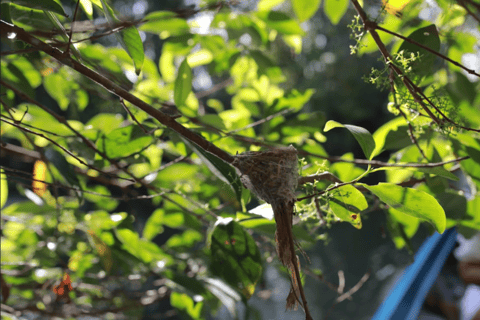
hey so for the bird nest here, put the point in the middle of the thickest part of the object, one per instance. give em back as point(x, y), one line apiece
point(271, 175)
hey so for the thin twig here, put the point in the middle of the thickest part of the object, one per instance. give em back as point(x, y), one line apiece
point(117, 90)
point(55, 143)
point(470, 71)
point(71, 29)
point(133, 117)
point(416, 93)
point(354, 289)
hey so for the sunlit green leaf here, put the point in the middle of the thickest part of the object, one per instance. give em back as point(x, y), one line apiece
point(335, 9)
point(134, 46)
point(281, 22)
point(185, 304)
point(183, 84)
point(412, 202)
point(305, 9)
point(267, 5)
point(347, 203)
point(186, 239)
point(49, 5)
point(124, 141)
point(3, 188)
point(363, 137)
point(143, 249)
point(164, 21)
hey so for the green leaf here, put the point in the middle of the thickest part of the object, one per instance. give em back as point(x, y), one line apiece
point(454, 204)
point(187, 239)
point(346, 203)
point(128, 38)
point(281, 22)
point(63, 33)
point(185, 304)
point(143, 249)
point(427, 36)
point(125, 141)
point(381, 135)
point(363, 137)
point(412, 202)
point(438, 171)
point(103, 220)
point(165, 23)
point(59, 89)
point(267, 5)
point(16, 78)
point(235, 256)
point(49, 5)
point(295, 100)
point(65, 168)
point(305, 9)
point(402, 227)
point(183, 84)
point(335, 9)
point(5, 9)
point(154, 224)
point(3, 188)
point(134, 47)
point(219, 168)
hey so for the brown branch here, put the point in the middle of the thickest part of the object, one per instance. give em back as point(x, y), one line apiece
point(13, 149)
point(375, 164)
point(115, 89)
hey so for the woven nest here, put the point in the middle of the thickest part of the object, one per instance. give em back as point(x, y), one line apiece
point(271, 175)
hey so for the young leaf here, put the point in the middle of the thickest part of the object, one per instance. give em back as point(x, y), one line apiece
point(235, 256)
point(335, 9)
point(305, 9)
point(363, 137)
point(347, 203)
point(183, 84)
point(412, 202)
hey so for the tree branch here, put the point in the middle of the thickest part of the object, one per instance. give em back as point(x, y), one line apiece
point(109, 85)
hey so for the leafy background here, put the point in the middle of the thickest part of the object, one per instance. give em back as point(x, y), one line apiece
point(150, 225)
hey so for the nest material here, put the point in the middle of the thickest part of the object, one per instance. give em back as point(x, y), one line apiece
point(272, 176)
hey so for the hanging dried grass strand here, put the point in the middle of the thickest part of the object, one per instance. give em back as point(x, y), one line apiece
point(272, 176)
